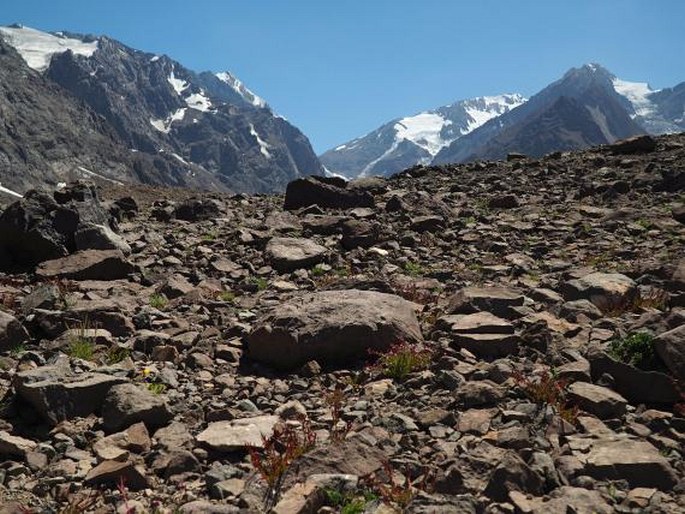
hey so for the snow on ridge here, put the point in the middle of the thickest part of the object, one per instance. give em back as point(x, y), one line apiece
point(37, 47)
point(484, 108)
point(637, 94)
point(97, 175)
point(240, 88)
point(3, 189)
point(263, 146)
point(423, 130)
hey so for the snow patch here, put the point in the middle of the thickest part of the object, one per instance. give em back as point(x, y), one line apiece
point(178, 84)
point(180, 159)
point(637, 94)
point(199, 101)
point(484, 108)
point(239, 87)
point(37, 47)
point(263, 146)
point(165, 125)
point(3, 189)
point(154, 58)
point(97, 175)
point(423, 130)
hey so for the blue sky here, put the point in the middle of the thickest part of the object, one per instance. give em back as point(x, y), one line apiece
point(338, 69)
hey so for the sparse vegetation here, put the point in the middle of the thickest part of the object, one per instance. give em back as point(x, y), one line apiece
point(277, 454)
point(156, 387)
point(81, 348)
point(339, 428)
point(401, 359)
point(158, 301)
point(227, 296)
point(116, 354)
point(413, 269)
point(548, 391)
point(260, 282)
point(636, 349)
point(393, 492)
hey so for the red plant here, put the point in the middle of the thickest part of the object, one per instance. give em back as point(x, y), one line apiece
point(401, 359)
point(394, 492)
point(272, 461)
point(339, 428)
point(548, 390)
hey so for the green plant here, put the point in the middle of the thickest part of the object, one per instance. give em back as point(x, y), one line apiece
point(272, 461)
point(260, 282)
point(227, 296)
point(413, 269)
point(156, 387)
point(116, 354)
point(81, 348)
point(209, 236)
point(158, 301)
point(18, 349)
point(548, 390)
point(636, 349)
point(318, 271)
point(401, 359)
point(347, 502)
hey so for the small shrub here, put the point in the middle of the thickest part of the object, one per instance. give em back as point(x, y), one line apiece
point(318, 271)
point(548, 391)
point(339, 428)
point(227, 296)
point(401, 359)
point(396, 493)
point(158, 301)
point(278, 452)
point(348, 503)
point(156, 387)
point(636, 349)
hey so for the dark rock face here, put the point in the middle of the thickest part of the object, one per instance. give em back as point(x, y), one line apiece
point(39, 227)
point(324, 192)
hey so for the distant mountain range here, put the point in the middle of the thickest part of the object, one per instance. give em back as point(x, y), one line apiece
point(75, 105)
point(587, 106)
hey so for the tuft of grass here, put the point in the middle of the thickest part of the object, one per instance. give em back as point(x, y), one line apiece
point(156, 387)
point(158, 301)
point(318, 271)
point(636, 349)
point(413, 269)
point(81, 348)
point(401, 359)
point(279, 451)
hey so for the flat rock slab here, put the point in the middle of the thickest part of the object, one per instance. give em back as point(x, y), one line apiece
point(600, 401)
point(229, 436)
point(111, 473)
point(290, 253)
point(607, 291)
point(58, 394)
point(495, 300)
point(477, 323)
point(87, 265)
point(14, 446)
point(623, 458)
point(332, 327)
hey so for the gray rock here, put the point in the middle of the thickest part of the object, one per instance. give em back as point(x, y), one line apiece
point(290, 253)
point(332, 327)
point(12, 332)
point(228, 436)
point(87, 265)
point(127, 404)
point(324, 192)
point(671, 348)
point(499, 301)
point(100, 237)
point(607, 291)
point(600, 401)
point(58, 393)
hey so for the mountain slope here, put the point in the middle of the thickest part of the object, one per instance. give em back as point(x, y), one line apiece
point(405, 142)
point(203, 130)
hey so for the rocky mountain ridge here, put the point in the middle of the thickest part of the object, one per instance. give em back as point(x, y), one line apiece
point(203, 130)
point(491, 337)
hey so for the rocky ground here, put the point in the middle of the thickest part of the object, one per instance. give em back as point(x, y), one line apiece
point(501, 337)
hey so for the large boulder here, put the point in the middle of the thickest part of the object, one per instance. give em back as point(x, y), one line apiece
point(196, 209)
point(607, 291)
point(332, 327)
point(634, 145)
point(39, 227)
point(87, 265)
point(290, 253)
point(126, 404)
point(325, 192)
point(12, 332)
point(58, 393)
point(671, 348)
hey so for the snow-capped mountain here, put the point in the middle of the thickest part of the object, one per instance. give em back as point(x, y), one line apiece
point(205, 130)
point(416, 139)
point(587, 106)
